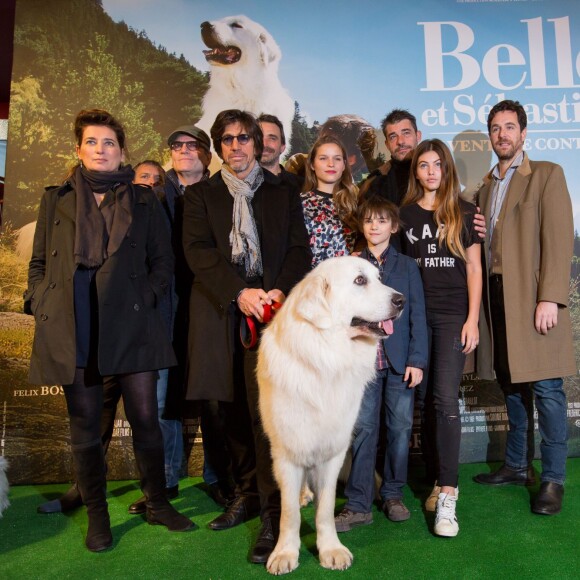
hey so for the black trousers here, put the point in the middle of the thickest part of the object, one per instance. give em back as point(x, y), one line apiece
point(438, 398)
point(501, 361)
point(249, 446)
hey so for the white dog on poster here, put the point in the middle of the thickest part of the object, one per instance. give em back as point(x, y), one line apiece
point(244, 72)
point(314, 361)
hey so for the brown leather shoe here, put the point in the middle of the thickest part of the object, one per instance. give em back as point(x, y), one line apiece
point(507, 476)
point(240, 509)
point(548, 502)
point(396, 510)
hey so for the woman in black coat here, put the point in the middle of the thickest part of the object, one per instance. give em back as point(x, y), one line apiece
point(101, 261)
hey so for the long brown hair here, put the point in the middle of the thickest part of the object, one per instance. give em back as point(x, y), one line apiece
point(448, 215)
point(345, 192)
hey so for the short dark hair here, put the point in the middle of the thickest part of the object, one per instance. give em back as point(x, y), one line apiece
point(396, 116)
point(265, 118)
point(508, 105)
point(249, 123)
point(155, 164)
point(99, 117)
point(379, 206)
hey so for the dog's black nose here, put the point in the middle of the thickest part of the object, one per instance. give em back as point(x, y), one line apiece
point(398, 301)
point(207, 34)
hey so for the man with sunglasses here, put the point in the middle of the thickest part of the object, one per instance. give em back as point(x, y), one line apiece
point(245, 241)
point(190, 157)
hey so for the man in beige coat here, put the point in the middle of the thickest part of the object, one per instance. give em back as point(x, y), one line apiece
point(526, 334)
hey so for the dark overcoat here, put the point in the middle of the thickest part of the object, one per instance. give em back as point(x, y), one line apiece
point(132, 336)
point(286, 258)
point(537, 248)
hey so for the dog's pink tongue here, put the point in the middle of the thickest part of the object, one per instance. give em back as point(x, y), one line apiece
point(387, 326)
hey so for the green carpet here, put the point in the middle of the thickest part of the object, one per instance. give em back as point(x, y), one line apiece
point(499, 538)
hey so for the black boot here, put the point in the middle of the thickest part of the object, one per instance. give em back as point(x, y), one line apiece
point(548, 502)
point(159, 511)
point(140, 507)
point(68, 501)
point(238, 510)
point(90, 470)
point(266, 541)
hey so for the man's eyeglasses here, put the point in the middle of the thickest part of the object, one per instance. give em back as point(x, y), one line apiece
point(242, 138)
point(191, 145)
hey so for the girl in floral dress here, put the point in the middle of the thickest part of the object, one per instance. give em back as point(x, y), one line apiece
point(329, 201)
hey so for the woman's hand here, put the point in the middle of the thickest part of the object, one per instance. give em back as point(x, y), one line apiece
point(469, 336)
point(479, 224)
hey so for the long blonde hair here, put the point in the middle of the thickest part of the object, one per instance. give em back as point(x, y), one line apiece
point(448, 215)
point(345, 192)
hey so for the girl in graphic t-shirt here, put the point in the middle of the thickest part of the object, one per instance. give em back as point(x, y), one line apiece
point(329, 200)
point(438, 232)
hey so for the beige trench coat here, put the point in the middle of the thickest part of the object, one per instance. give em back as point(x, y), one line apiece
point(537, 249)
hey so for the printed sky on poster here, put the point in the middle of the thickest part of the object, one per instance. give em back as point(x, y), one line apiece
point(445, 60)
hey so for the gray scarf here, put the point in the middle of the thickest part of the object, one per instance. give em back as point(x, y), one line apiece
point(244, 235)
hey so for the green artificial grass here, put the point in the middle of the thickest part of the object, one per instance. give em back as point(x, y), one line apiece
point(499, 538)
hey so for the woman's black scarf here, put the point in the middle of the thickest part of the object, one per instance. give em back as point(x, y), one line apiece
point(100, 230)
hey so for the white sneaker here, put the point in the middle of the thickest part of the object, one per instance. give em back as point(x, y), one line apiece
point(445, 521)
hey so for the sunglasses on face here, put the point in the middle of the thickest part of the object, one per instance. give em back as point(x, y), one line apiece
point(242, 139)
point(191, 145)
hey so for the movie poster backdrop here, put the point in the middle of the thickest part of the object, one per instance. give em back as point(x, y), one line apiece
point(448, 62)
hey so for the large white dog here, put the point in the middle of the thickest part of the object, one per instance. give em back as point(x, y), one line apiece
point(244, 72)
point(314, 361)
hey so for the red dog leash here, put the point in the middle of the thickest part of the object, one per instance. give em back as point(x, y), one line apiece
point(249, 325)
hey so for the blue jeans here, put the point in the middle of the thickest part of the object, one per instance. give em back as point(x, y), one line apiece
point(388, 388)
point(172, 434)
point(552, 424)
point(550, 404)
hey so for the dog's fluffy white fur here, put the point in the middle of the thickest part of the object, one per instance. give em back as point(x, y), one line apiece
point(25, 241)
point(313, 365)
point(244, 61)
point(4, 487)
